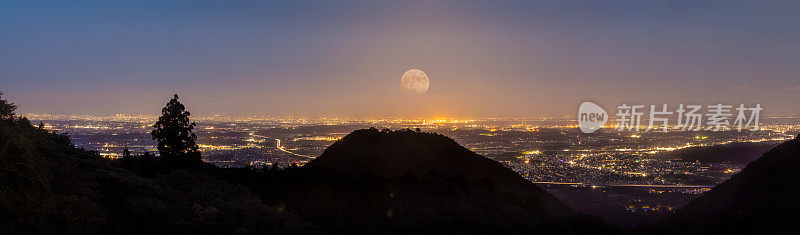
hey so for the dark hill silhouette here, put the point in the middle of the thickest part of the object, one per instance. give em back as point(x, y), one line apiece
point(410, 182)
point(761, 199)
point(395, 153)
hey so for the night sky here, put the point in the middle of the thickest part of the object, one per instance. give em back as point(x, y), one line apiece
point(345, 58)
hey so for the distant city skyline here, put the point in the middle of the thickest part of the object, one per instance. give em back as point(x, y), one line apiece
point(345, 58)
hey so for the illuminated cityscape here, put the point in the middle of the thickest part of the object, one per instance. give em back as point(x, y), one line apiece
point(538, 148)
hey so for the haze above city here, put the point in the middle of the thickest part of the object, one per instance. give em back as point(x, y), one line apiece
point(484, 59)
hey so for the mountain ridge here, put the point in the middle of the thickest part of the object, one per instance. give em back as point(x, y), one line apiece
point(397, 153)
point(762, 198)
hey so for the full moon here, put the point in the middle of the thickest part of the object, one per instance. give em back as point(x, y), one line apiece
point(414, 82)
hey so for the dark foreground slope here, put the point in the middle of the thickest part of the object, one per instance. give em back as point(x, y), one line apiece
point(47, 186)
point(393, 154)
point(764, 198)
point(406, 181)
point(370, 181)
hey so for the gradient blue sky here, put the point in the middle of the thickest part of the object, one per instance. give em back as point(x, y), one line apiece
point(345, 58)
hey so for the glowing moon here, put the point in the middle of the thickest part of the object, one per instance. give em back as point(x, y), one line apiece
point(414, 82)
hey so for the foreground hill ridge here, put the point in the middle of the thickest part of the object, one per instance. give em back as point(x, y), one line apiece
point(397, 153)
point(393, 153)
point(762, 198)
point(49, 186)
point(426, 183)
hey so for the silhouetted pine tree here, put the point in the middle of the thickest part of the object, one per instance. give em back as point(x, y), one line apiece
point(174, 133)
point(6, 108)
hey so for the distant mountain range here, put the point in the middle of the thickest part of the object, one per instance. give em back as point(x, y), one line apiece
point(738, 153)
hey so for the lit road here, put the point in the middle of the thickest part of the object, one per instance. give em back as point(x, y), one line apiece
point(281, 148)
